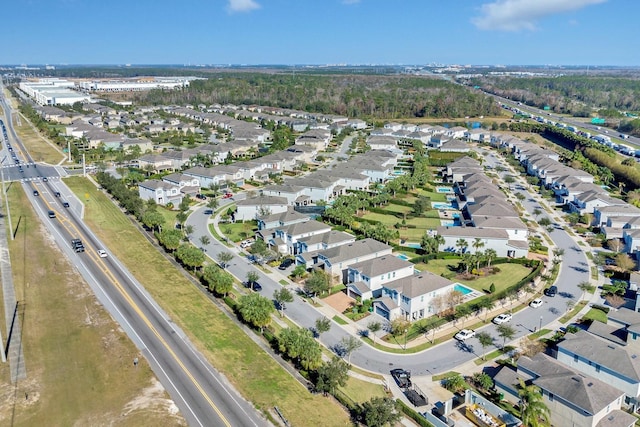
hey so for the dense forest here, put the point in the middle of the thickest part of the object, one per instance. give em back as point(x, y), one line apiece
point(577, 95)
point(362, 96)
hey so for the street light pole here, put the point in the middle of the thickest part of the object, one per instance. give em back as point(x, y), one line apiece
point(405, 338)
point(540, 328)
point(6, 199)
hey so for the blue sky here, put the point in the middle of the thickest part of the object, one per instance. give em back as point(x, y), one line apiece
point(553, 32)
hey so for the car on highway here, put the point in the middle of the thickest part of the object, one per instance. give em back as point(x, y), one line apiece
point(36, 193)
point(536, 303)
point(65, 204)
point(402, 377)
point(465, 334)
point(44, 178)
point(502, 318)
point(77, 245)
point(102, 253)
point(286, 264)
point(51, 214)
point(57, 194)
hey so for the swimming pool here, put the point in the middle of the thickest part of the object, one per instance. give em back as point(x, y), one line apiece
point(447, 223)
point(441, 205)
point(444, 189)
point(462, 289)
point(414, 245)
point(403, 257)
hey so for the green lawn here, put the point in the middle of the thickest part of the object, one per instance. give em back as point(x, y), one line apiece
point(391, 207)
point(508, 275)
point(169, 216)
point(411, 234)
point(596, 314)
point(239, 231)
point(433, 195)
point(226, 346)
point(361, 391)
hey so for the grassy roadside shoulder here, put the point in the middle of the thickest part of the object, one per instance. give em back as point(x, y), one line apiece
point(253, 372)
point(78, 361)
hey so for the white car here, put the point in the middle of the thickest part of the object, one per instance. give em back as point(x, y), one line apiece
point(502, 318)
point(536, 303)
point(102, 253)
point(465, 334)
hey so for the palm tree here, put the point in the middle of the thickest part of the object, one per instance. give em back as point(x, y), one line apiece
point(485, 341)
point(585, 287)
point(489, 255)
point(462, 245)
point(533, 411)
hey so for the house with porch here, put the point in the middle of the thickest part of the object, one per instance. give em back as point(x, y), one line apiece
point(160, 192)
point(366, 278)
point(413, 297)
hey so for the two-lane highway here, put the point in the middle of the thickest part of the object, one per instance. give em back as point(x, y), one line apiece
point(204, 397)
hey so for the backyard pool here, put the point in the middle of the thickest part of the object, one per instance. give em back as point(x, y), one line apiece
point(462, 289)
point(403, 257)
point(414, 245)
point(441, 205)
point(444, 189)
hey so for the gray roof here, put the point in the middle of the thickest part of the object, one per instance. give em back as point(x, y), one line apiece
point(262, 200)
point(622, 360)
point(380, 265)
point(330, 238)
point(284, 217)
point(472, 232)
point(388, 302)
point(614, 334)
point(587, 393)
point(625, 316)
point(414, 286)
point(494, 208)
point(305, 227)
point(354, 250)
point(617, 418)
point(154, 184)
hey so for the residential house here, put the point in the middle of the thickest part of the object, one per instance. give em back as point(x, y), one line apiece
point(160, 192)
point(365, 279)
point(324, 241)
point(253, 207)
point(491, 238)
point(573, 398)
point(413, 297)
point(285, 239)
point(280, 219)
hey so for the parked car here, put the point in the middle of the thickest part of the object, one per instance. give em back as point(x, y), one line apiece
point(465, 334)
point(286, 264)
point(502, 318)
point(536, 303)
point(402, 377)
point(201, 196)
point(227, 195)
point(208, 211)
point(551, 291)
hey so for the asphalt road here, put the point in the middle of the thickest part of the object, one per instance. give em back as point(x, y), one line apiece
point(203, 396)
point(443, 357)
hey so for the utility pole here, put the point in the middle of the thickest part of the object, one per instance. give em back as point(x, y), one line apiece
point(6, 199)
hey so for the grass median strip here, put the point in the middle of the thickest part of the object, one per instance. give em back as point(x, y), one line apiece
point(253, 372)
point(79, 363)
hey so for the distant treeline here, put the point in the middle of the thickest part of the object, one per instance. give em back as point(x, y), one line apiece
point(362, 96)
point(577, 95)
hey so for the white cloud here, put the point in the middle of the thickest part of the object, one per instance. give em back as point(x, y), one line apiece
point(516, 15)
point(242, 5)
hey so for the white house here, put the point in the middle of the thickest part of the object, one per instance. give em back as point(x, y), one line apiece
point(365, 279)
point(413, 297)
point(159, 191)
point(286, 238)
point(253, 207)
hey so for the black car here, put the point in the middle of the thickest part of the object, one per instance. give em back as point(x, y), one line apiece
point(201, 196)
point(57, 194)
point(65, 204)
point(254, 286)
point(286, 264)
point(402, 377)
point(551, 291)
point(44, 178)
point(35, 193)
point(208, 211)
point(77, 245)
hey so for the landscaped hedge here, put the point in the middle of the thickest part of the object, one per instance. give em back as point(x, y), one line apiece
point(415, 416)
point(369, 221)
